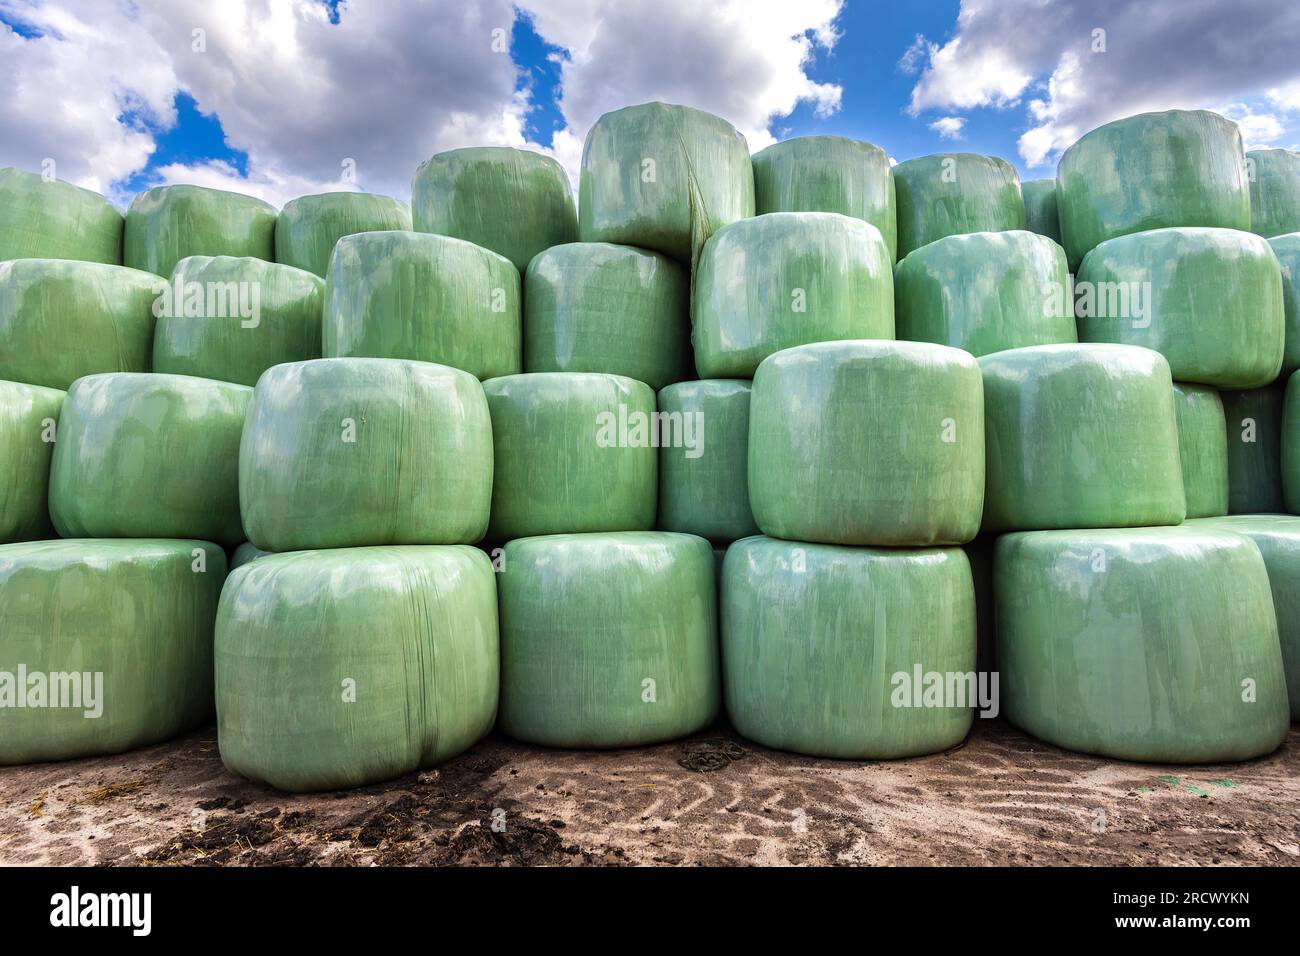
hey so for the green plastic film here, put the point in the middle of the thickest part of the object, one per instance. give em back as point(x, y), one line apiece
point(308, 227)
point(1080, 436)
point(787, 279)
point(828, 174)
point(878, 443)
point(142, 455)
point(112, 638)
point(340, 453)
point(1208, 300)
point(1149, 644)
point(246, 552)
point(1202, 449)
point(341, 668)
point(1278, 540)
point(51, 219)
point(608, 640)
point(597, 307)
point(1274, 191)
point(1178, 168)
point(1287, 250)
point(29, 415)
point(985, 292)
point(409, 295)
point(814, 636)
point(575, 452)
point(60, 320)
point(704, 484)
point(949, 194)
point(1040, 208)
point(1254, 421)
point(169, 223)
point(233, 318)
point(512, 201)
point(1291, 446)
point(664, 178)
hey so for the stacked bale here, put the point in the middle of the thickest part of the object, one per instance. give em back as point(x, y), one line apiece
point(953, 193)
point(1274, 176)
point(308, 227)
point(29, 416)
point(1254, 423)
point(1287, 250)
point(169, 223)
point(1291, 446)
point(43, 218)
point(1202, 449)
point(1041, 215)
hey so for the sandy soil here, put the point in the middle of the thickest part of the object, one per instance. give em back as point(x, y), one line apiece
point(1001, 798)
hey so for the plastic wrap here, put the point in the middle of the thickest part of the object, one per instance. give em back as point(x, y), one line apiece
point(704, 489)
point(1254, 421)
point(878, 443)
point(149, 456)
point(1177, 168)
point(51, 219)
point(1208, 300)
point(407, 295)
point(120, 633)
point(512, 201)
point(309, 226)
point(1149, 644)
point(169, 223)
point(663, 177)
point(953, 193)
point(246, 552)
point(1202, 449)
point(1291, 446)
point(1287, 250)
point(1274, 191)
point(341, 668)
point(233, 318)
point(339, 453)
point(828, 174)
point(28, 418)
point(787, 279)
point(597, 307)
point(60, 320)
point(575, 452)
point(1040, 208)
point(814, 635)
point(985, 292)
point(608, 640)
point(1080, 436)
point(1278, 540)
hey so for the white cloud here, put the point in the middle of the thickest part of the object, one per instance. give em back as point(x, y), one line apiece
point(948, 127)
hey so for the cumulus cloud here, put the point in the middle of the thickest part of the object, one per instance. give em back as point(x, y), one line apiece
point(948, 127)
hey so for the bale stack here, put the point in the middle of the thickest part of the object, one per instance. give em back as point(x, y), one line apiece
point(950, 194)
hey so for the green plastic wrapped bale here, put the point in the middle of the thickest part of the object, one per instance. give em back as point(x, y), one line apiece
point(1149, 644)
point(106, 645)
point(575, 452)
point(985, 292)
point(246, 552)
point(1208, 300)
point(60, 320)
point(1287, 250)
point(1254, 422)
point(787, 279)
point(409, 295)
point(233, 318)
point(149, 456)
point(954, 193)
point(828, 174)
point(169, 223)
point(873, 443)
point(597, 307)
point(341, 453)
point(1291, 446)
point(29, 416)
point(1040, 208)
point(1278, 540)
point(1177, 168)
point(822, 647)
point(341, 668)
point(1202, 449)
point(50, 219)
point(663, 177)
point(608, 640)
point(703, 482)
point(1080, 436)
point(512, 201)
point(308, 227)
point(1274, 191)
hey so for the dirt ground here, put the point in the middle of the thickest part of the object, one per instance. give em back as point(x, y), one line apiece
point(1001, 798)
